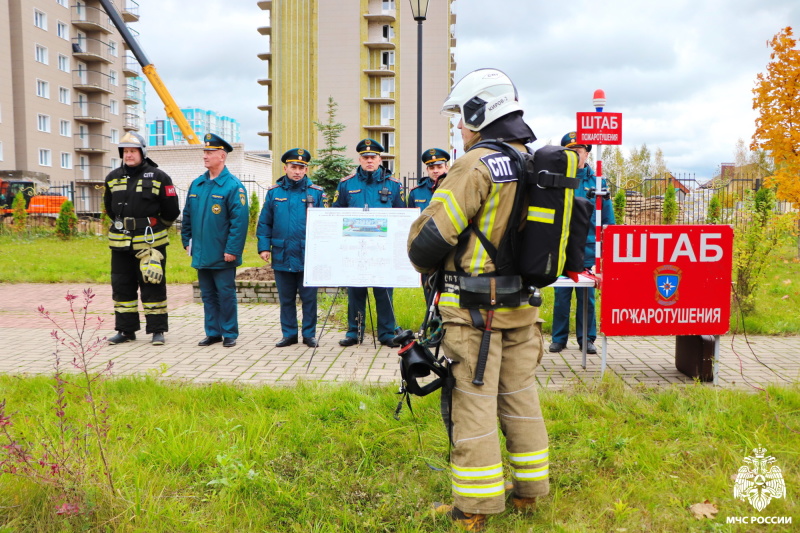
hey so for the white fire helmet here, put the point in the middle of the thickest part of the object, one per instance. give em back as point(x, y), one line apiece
point(133, 140)
point(481, 97)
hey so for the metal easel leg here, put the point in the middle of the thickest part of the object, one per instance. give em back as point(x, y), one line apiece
point(322, 329)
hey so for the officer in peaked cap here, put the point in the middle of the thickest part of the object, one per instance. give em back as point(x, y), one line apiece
point(436, 166)
point(563, 295)
point(281, 233)
point(373, 186)
point(214, 142)
point(213, 231)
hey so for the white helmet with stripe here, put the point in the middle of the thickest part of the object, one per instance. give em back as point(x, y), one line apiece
point(481, 97)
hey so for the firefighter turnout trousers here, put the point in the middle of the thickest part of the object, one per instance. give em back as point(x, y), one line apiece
point(126, 281)
point(509, 393)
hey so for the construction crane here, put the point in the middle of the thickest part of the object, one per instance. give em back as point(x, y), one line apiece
point(172, 109)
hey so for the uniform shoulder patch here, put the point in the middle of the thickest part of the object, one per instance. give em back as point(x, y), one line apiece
point(347, 177)
point(317, 187)
point(500, 166)
point(392, 178)
point(274, 187)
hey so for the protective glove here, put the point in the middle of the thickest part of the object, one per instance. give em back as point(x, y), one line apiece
point(150, 264)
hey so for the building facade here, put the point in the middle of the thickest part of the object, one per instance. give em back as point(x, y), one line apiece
point(73, 89)
point(363, 54)
point(164, 132)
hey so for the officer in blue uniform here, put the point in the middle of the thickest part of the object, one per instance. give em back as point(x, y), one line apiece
point(281, 235)
point(371, 185)
point(213, 231)
point(563, 295)
point(436, 166)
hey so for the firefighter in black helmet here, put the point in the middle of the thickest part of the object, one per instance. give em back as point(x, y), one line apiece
point(142, 203)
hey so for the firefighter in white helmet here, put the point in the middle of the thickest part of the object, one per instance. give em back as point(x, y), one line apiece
point(142, 203)
point(478, 194)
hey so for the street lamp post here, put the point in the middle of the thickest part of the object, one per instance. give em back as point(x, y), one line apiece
point(419, 9)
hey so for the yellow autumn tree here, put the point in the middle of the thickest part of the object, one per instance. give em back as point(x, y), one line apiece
point(777, 100)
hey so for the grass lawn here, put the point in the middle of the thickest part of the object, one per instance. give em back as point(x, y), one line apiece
point(332, 458)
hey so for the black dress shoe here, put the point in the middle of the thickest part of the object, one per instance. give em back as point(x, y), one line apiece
point(208, 341)
point(228, 343)
point(121, 337)
point(590, 348)
point(390, 343)
point(311, 342)
point(286, 341)
point(556, 347)
point(348, 341)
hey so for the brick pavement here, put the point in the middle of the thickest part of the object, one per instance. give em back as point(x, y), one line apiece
point(27, 348)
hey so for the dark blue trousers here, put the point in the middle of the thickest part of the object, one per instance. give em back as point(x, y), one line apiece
point(290, 284)
point(218, 287)
point(356, 307)
point(561, 309)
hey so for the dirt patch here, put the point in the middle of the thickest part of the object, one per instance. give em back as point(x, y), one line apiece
point(264, 273)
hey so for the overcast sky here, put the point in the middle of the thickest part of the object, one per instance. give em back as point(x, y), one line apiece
point(680, 72)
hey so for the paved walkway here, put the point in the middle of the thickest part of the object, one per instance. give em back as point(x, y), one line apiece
point(27, 348)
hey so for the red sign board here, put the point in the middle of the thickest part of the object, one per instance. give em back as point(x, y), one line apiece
point(599, 128)
point(666, 280)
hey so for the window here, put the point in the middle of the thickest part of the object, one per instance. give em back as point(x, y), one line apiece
point(66, 160)
point(112, 48)
point(63, 63)
point(41, 54)
point(112, 76)
point(387, 114)
point(39, 19)
point(114, 107)
point(387, 87)
point(387, 140)
point(388, 5)
point(65, 128)
point(63, 95)
point(43, 123)
point(62, 2)
point(114, 162)
point(62, 30)
point(388, 32)
point(387, 59)
point(42, 89)
point(44, 158)
point(114, 136)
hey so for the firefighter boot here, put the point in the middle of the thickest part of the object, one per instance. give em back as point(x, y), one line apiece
point(465, 521)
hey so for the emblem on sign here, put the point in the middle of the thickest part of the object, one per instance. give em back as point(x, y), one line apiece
point(667, 279)
point(216, 209)
point(759, 482)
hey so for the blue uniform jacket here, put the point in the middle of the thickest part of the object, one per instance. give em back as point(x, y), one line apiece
point(215, 218)
point(588, 181)
point(364, 188)
point(282, 225)
point(420, 196)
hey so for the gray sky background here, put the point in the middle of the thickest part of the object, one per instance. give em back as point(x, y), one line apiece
point(680, 72)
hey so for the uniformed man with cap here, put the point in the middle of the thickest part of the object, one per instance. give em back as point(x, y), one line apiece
point(563, 295)
point(371, 185)
point(213, 230)
point(281, 236)
point(142, 204)
point(436, 165)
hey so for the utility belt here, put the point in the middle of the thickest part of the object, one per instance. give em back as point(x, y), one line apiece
point(486, 291)
point(132, 224)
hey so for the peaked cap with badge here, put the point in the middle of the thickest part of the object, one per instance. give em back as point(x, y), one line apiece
point(212, 141)
point(570, 140)
point(434, 156)
point(369, 147)
point(296, 156)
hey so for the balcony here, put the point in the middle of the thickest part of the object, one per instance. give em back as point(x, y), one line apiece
point(389, 99)
point(133, 94)
point(266, 5)
point(91, 50)
point(131, 122)
point(265, 56)
point(134, 34)
point(91, 81)
point(92, 143)
point(380, 71)
point(131, 68)
point(90, 19)
point(380, 45)
point(265, 107)
point(95, 173)
point(90, 111)
point(265, 30)
point(382, 17)
point(265, 134)
point(130, 13)
point(265, 81)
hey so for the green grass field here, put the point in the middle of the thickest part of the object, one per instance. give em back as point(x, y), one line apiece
point(332, 458)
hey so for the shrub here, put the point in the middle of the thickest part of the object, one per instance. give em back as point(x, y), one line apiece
point(67, 221)
point(714, 213)
point(19, 213)
point(620, 199)
point(670, 212)
point(254, 212)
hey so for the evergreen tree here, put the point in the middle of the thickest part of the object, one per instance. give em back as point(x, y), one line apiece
point(18, 212)
point(331, 165)
point(670, 212)
point(254, 213)
point(67, 221)
point(620, 199)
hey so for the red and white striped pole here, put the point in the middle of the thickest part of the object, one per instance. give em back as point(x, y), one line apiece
point(599, 102)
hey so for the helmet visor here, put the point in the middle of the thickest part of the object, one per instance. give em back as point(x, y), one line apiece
point(451, 109)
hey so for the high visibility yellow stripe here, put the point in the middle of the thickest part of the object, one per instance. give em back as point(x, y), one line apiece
point(480, 491)
point(569, 197)
point(485, 225)
point(126, 307)
point(531, 474)
point(451, 207)
point(541, 214)
point(448, 299)
point(572, 163)
point(483, 472)
point(529, 458)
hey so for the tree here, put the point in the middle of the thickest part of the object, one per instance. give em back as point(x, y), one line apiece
point(670, 212)
point(67, 221)
point(331, 165)
point(620, 199)
point(18, 212)
point(254, 213)
point(714, 212)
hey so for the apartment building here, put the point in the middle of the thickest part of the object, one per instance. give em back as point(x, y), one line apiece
point(72, 93)
point(363, 54)
point(165, 132)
